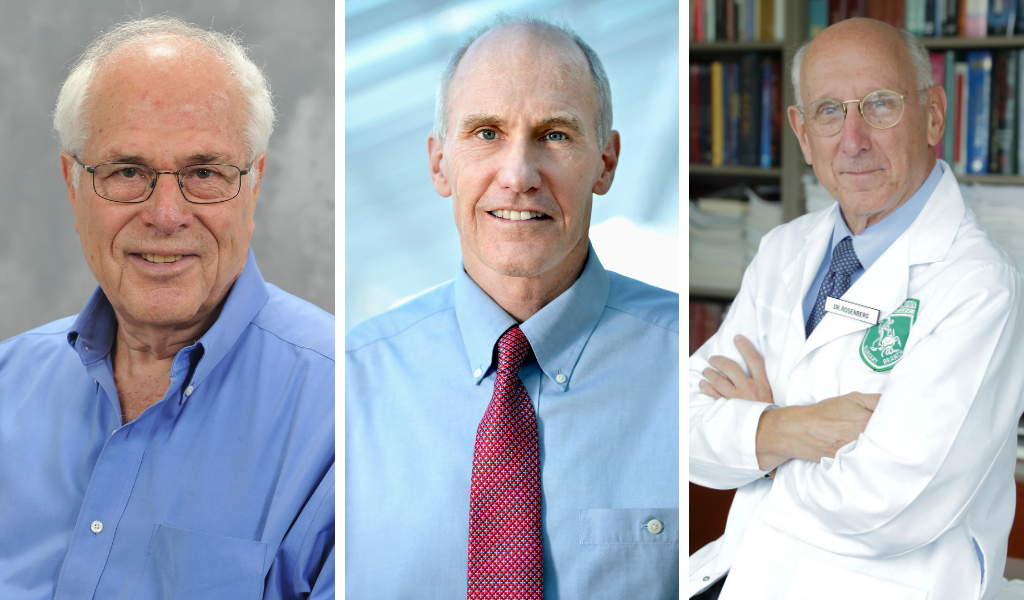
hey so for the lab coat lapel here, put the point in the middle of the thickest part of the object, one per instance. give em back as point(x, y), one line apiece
point(885, 285)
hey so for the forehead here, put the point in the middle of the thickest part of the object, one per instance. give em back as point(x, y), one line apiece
point(156, 89)
point(517, 68)
point(854, 63)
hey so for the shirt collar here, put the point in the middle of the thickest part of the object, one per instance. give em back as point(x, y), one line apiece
point(876, 239)
point(92, 334)
point(557, 333)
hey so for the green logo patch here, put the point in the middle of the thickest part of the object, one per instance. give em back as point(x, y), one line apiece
point(882, 346)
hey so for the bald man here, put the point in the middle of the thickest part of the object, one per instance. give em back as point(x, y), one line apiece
point(512, 434)
point(863, 393)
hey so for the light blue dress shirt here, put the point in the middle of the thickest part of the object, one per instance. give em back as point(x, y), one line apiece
point(223, 489)
point(875, 239)
point(604, 382)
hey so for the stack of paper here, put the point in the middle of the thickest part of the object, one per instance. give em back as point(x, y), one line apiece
point(717, 233)
point(1001, 213)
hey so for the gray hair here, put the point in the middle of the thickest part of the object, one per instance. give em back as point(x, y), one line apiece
point(919, 61)
point(602, 87)
point(70, 118)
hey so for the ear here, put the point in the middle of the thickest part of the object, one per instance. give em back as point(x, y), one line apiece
point(936, 114)
point(67, 165)
point(797, 123)
point(609, 160)
point(258, 169)
point(438, 167)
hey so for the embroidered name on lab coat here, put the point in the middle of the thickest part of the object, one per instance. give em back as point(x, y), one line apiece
point(883, 344)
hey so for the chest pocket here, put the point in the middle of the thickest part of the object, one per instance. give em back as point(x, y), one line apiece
point(190, 565)
point(622, 557)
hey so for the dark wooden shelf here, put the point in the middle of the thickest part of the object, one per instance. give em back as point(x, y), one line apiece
point(962, 43)
point(992, 179)
point(704, 170)
point(722, 47)
point(712, 293)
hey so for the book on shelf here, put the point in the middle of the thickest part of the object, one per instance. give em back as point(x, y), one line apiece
point(706, 317)
point(949, 138)
point(960, 146)
point(925, 18)
point(736, 112)
point(817, 16)
point(1002, 149)
point(737, 20)
point(979, 100)
point(1020, 107)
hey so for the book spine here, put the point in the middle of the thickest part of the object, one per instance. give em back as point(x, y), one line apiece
point(929, 18)
point(720, 22)
point(765, 159)
point(898, 18)
point(750, 110)
point(779, 22)
point(951, 18)
point(1020, 110)
point(835, 14)
point(730, 20)
point(735, 104)
point(998, 16)
point(960, 150)
point(766, 27)
point(717, 116)
point(857, 9)
point(976, 24)
point(817, 17)
point(697, 23)
point(940, 16)
point(710, 12)
point(914, 8)
point(755, 28)
point(1000, 133)
point(695, 156)
point(979, 97)
point(748, 16)
point(949, 136)
point(705, 113)
point(1008, 134)
point(777, 84)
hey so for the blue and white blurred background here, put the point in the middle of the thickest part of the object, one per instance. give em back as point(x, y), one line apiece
point(399, 235)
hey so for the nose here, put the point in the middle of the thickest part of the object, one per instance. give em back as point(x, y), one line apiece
point(166, 209)
point(519, 170)
point(856, 133)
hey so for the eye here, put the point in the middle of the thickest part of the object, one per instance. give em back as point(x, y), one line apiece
point(556, 136)
point(128, 172)
point(203, 173)
point(488, 134)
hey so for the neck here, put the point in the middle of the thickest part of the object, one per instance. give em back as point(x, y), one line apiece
point(522, 297)
point(143, 345)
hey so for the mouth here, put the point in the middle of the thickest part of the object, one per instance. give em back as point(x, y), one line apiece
point(160, 258)
point(518, 215)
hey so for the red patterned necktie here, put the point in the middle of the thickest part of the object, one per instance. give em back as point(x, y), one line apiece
point(504, 501)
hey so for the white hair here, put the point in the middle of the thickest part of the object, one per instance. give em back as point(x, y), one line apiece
point(603, 89)
point(70, 118)
point(915, 50)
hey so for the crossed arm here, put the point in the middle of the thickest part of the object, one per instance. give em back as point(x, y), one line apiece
point(802, 432)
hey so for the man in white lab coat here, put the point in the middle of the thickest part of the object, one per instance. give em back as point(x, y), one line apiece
point(873, 446)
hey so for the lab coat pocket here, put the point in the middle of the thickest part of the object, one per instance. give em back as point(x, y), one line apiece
point(813, 580)
point(190, 565)
point(629, 553)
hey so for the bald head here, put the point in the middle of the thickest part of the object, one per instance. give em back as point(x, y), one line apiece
point(512, 42)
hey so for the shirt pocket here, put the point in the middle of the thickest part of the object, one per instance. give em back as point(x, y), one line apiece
point(190, 565)
point(621, 557)
point(814, 579)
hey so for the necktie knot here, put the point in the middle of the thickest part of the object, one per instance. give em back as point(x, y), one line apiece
point(512, 350)
point(844, 259)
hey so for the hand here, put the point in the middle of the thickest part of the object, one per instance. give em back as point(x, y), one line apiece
point(727, 379)
point(814, 431)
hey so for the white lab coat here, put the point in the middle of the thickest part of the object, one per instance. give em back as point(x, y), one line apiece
point(896, 514)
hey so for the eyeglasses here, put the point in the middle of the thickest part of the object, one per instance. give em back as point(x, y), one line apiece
point(882, 109)
point(130, 183)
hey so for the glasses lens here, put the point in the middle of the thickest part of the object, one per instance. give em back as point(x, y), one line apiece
point(824, 117)
point(883, 109)
point(210, 183)
point(123, 182)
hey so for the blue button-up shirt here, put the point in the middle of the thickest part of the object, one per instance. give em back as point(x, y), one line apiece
point(603, 378)
point(875, 239)
point(222, 489)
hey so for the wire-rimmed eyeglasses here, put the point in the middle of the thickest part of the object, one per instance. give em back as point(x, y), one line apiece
point(882, 109)
point(131, 183)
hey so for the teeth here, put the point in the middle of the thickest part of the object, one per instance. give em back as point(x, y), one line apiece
point(161, 258)
point(517, 215)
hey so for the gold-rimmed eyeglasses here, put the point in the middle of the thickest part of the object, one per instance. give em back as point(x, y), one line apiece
point(882, 109)
point(131, 183)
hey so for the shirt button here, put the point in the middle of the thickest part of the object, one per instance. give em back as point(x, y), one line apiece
point(188, 391)
point(560, 378)
point(96, 527)
point(654, 526)
point(477, 373)
point(706, 577)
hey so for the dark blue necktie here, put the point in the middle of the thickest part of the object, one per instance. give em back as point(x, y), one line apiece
point(837, 280)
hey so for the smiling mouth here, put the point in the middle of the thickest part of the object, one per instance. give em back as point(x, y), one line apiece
point(518, 215)
point(160, 258)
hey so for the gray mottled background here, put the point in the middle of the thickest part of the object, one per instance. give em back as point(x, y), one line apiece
point(43, 275)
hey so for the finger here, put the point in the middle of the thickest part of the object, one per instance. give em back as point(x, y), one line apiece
point(730, 369)
point(755, 364)
point(722, 385)
point(706, 388)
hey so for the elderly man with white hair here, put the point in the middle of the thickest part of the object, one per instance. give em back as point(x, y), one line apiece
point(873, 435)
point(174, 439)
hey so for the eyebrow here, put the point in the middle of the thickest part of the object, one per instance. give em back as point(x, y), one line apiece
point(565, 121)
point(192, 159)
